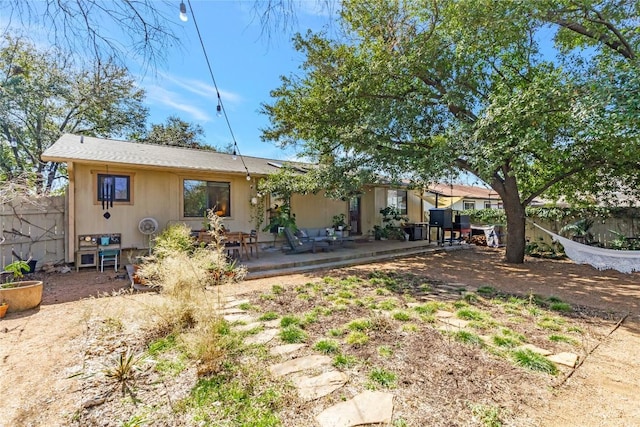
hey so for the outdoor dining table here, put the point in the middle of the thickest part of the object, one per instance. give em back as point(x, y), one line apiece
point(237, 241)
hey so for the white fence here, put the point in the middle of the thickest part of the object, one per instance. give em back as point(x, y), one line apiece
point(32, 228)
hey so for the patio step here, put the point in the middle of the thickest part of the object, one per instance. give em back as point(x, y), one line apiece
point(364, 253)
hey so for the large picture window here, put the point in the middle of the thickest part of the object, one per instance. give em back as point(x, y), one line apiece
point(397, 199)
point(199, 196)
point(116, 188)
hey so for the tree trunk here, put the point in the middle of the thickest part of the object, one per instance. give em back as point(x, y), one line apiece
point(515, 229)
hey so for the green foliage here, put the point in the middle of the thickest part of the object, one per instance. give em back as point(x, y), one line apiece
point(176, 132)
point(175, 238)
point(51, 95)
point(527, 121)
point(489, 416)
point(17, 269)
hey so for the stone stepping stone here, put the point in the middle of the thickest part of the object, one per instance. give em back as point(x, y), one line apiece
point(272, 323)
point(232, 310)
point(370, 407)
point(239, 318)
point(312, 388)
point(247, 327)
point(564, 358)
point(236, 303)
point(261, 337)
point(535, 349)
point(452, 321)
point(281, 350)
point(299, 364)
point(441, 314)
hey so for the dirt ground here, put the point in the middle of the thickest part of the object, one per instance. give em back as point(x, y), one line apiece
point(38, 349)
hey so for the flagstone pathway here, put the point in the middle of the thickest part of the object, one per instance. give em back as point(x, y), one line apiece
point(314, 377)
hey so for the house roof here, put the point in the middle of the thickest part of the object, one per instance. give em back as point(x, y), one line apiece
point(460, 190)
point(85, 149)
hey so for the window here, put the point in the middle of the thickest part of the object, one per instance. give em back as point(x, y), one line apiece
point(487, 204)
point(468, 205)
point(199, 196)
point(115, 188)
point(397, 199)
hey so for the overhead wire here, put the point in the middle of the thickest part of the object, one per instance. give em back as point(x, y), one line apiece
point(236, 148)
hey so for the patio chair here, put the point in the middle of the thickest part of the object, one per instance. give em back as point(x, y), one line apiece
point(252, 242)
point(297, 246)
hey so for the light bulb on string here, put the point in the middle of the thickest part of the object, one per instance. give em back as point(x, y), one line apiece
point(219, 110)
point(183, 12)
point(234, 156)
point(248, 177)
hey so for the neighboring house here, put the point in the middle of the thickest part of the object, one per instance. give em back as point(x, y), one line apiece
point(113, 185)
point(460, 197)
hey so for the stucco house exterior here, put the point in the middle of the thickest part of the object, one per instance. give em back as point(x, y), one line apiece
point(114, 184)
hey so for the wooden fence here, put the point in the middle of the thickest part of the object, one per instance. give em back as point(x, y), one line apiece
point(32, 228)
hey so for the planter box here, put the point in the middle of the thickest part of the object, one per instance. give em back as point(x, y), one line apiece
point(22, 295)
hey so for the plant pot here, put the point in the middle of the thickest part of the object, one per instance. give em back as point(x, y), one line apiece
point(21, 296)
point(3, 310)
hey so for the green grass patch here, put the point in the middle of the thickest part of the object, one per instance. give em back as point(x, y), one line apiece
point(487, 291)
point(562, 307)
point(269, 315)
point(382, 377)
point(470, 314)
point(385, 351)
point(344, 361)
point(410, 327)
point(428, 309)
point(357, 338)
point(293, 334)
point(534, 361)
point(551, 323)
point(162, 345)
point(290, 320)
point(335, 332)
point(236, 402)
point(359, 325)
point(388, 304)
point(277, 290)
point(562, 338)
point(327, 346)
point(403, 316)
point(468, 338)
point(488, 416)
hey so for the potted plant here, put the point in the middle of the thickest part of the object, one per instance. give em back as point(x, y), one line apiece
point(339, 221)
point(20, 295)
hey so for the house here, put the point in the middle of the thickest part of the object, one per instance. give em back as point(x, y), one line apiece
point(114, 185)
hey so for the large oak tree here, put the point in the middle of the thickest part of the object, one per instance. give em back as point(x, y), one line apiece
point(43, 94)
point(535, 98)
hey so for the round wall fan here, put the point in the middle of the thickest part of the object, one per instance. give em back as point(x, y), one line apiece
point(148, 226)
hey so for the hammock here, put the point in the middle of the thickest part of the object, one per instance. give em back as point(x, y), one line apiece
point(600, 258)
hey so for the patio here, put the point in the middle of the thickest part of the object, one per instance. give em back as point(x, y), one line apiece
point(274, 262)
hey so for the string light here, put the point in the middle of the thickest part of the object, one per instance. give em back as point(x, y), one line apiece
point(220, 110)
point(183, 12)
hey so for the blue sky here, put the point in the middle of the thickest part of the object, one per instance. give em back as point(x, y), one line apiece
point(246, 66)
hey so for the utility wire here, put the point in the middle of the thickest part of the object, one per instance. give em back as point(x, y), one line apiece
point(236, 149)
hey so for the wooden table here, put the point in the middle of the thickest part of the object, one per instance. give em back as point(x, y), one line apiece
point(239, 238)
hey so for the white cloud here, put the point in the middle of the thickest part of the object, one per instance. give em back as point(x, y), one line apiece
point(173, 100)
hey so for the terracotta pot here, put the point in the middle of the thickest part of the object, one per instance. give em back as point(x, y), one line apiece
point(3, 310)
point(22, 296)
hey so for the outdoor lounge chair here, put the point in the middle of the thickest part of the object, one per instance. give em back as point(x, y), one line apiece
point(297, 246)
